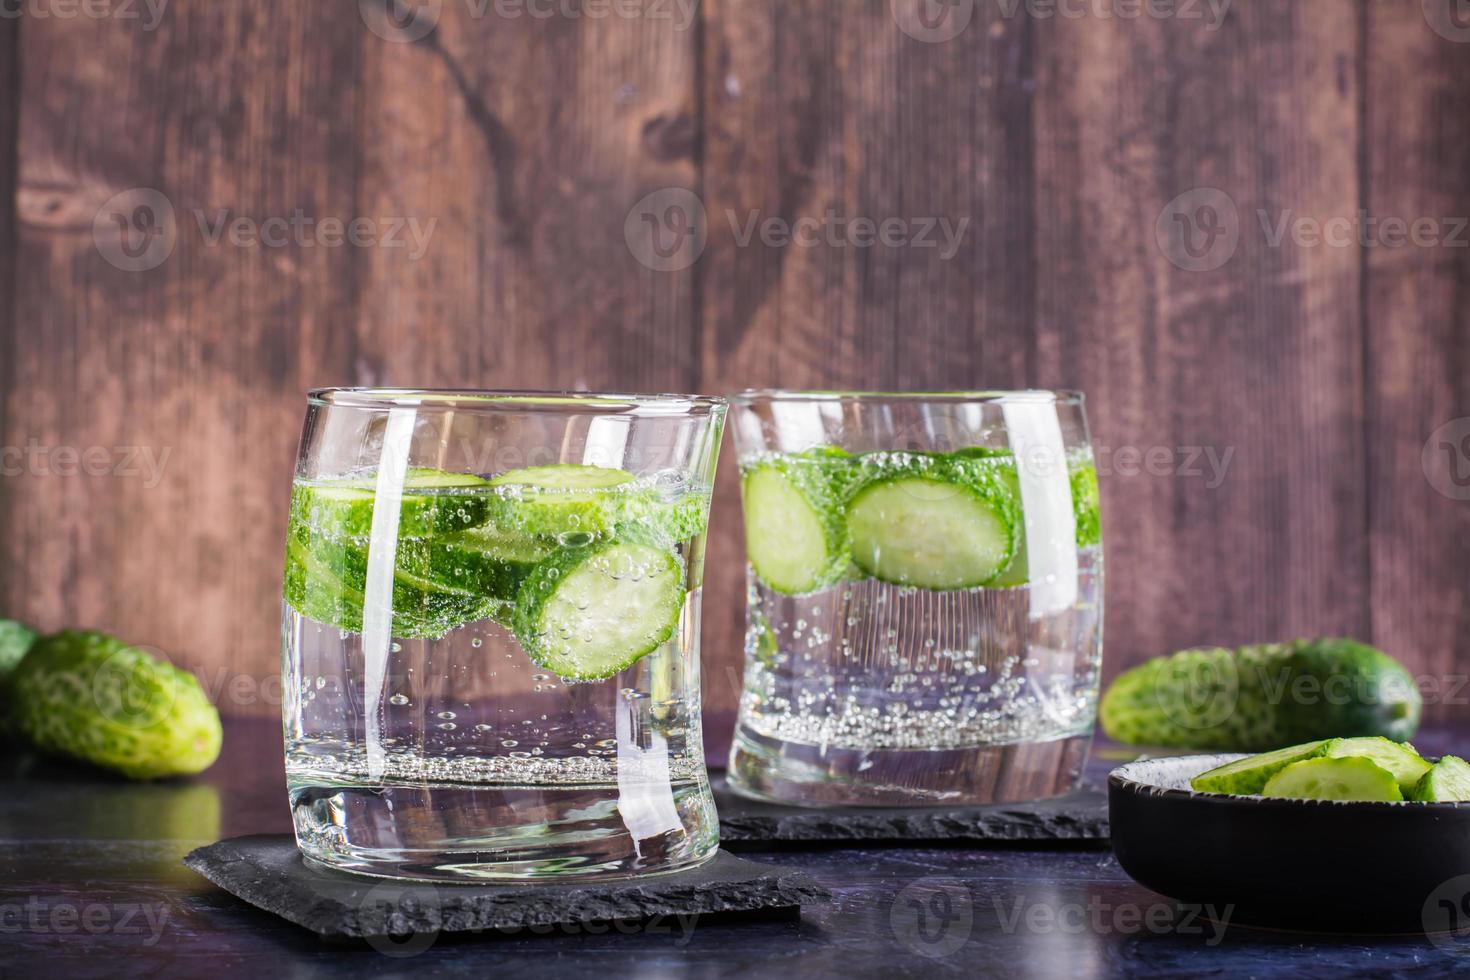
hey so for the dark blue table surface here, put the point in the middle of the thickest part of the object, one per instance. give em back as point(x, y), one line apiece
point(91, 885)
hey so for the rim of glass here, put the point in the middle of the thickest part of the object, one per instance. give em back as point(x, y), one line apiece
point(525, 400)
point(1060, 396)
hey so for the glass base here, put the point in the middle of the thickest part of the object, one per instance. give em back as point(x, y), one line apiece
point(797, 774)
point(502, 833)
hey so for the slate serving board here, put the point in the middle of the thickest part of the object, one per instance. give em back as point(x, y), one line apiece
point(267, 871)
point(1079, 818)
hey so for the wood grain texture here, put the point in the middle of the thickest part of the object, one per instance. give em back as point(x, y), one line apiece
point(1258, 355)
point(808, 116)
point(520, 145)
point(1418, 356)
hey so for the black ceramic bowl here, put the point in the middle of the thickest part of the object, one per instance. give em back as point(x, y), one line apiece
point(1342, 867)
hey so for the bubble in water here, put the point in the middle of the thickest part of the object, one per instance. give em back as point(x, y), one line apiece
point(447, 726)
point(396, 647)
point(398, 699)
point(508, 743)
point(477, 643)
point(447, 715)
point(482, 727)
point(321, 682)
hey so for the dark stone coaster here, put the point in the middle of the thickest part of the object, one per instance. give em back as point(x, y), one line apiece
point(1079, 818)
point(267, 871)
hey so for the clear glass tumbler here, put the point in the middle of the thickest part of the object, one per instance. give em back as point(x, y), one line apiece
point(924, 601)
point(491, 633)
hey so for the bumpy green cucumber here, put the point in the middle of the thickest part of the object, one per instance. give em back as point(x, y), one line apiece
point(95, 698)
point(433, 502)
point(567, 498)
point(1248, 776)
point(795, 537)
point(1324, 778)
point(1447, 781)
point(935, 523)
point(15, 639)
point(1262, 697)
point(1407, 766)
point(587, 613)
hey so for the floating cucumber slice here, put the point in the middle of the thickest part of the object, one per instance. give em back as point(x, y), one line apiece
point(940, 524)
point(587, 613)
point(1083, 479)
point(1398, 758)
point(567, 498)
point(1350, 778)
point(326, 580)
point(344, 508)
point(1447, 781)
point(794, 534)
point(489, 561)
point(1249, 776)
point(1018, 570)
point(679, 519)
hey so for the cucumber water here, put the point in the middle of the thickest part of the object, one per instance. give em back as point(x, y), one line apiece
point(895, 633)
point(584, 565)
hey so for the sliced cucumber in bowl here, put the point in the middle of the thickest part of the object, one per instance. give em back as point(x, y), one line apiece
point(1325, 778)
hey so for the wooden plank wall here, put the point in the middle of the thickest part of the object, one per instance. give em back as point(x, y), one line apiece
point(1286, 388)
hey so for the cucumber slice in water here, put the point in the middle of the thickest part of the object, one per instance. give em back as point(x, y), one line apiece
point(1083, 480)
point(566, 498)
point(1447, 781)
point(946, 525)
point(1248, 776)
point(326, 580)
point(794, 535)
point(430, 504)
point(1350, 778)
point(587, 613)
point(1398, 758)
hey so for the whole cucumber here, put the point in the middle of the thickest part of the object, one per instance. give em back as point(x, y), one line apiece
point(1262, 696)
point(15, 639)
point(93, 697)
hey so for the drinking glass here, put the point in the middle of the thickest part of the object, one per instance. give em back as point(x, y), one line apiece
point(924, 596)
point(490, 646)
